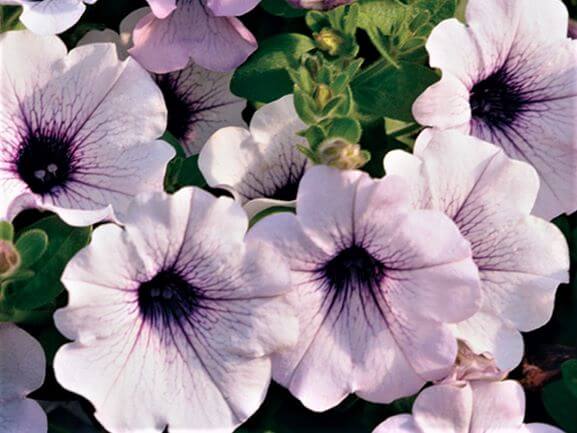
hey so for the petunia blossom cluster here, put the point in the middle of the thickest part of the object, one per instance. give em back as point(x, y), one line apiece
point(183, 308)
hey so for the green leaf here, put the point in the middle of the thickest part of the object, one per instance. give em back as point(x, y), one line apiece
point(382, 14)
point(63, 243)
point(281, 8)
point(6, 231)
point(439, 10)
point(346, 128)
point(569, 370)
point(264, 77)
point(31, 245)
point(561, 404)
point(387, 91)
point(190, 174)
point(10, 18)
point(269, 211)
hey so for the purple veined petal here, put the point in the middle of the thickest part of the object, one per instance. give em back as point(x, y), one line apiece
point(191, 32)
point(262, 163)
point(22, 366)
point(231, 8)
point(521, 258)
point(475, 407)
point(49, 17)
point(174, 319)
point(199, 102)
point(522, 84)
point(80, 151)
point(353, 246)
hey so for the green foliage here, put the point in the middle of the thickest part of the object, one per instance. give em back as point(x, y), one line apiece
point(6, 231)
point(385, 90)
point(42, 284)
point(31, 246)
point(282, 9)
point(264, 77)
point(399, 30)
point(10, 18)
point(560, 397)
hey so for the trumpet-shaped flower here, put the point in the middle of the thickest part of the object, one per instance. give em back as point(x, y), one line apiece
point(262, 166)
point(173, 318)
point(476, 407)
point(199, 102)
point(22, 365)
point(521, 258)
point(510, 78)
point(49, 17)
point(77, 130)
point(375, 284)
point(205, 31)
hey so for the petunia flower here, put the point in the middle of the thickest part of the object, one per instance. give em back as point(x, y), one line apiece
point(261, 167)
point(49, 17)
point(199, 102)
point(173, 318)
point(77, 131)
point(205, 31)
point(521, 258)
point(375, 284)
point(22, 369)
point(476, 407)
point(510, 78)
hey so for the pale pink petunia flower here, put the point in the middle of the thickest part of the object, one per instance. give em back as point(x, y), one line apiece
point(78, 131)
point(521, 258)
point(22, 369)
point(476, 407)
point(261, 167)
point(204, 31)
point(199, 102)
point(510, 78)
point(375, 283)
point(174, 317)
point(49, 17)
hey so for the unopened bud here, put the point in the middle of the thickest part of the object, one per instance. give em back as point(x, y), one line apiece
point(323, 95)
point(329, 40)
point(9, 258)
point(341, 154)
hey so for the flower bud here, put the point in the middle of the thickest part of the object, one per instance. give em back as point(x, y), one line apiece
point(341, 154)
point(323, 95)
point(329, 40)
point(9, 258)
point(319, 4)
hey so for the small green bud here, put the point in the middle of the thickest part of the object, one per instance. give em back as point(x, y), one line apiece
point(9, 258)
point(341, 154)
point(323, 95)
point(329, 40)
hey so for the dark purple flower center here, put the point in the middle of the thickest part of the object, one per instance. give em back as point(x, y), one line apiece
point(45, 162)
point(351, 272)
point(182, 112)
point(496, 100)
point(167, 300)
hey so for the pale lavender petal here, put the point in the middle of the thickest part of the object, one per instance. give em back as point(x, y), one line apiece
point(22, 370)
point(354, 246)
point(191, 32)
point(80, 147)
point(231, 8)
point(174, 319)
point(263, 162)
